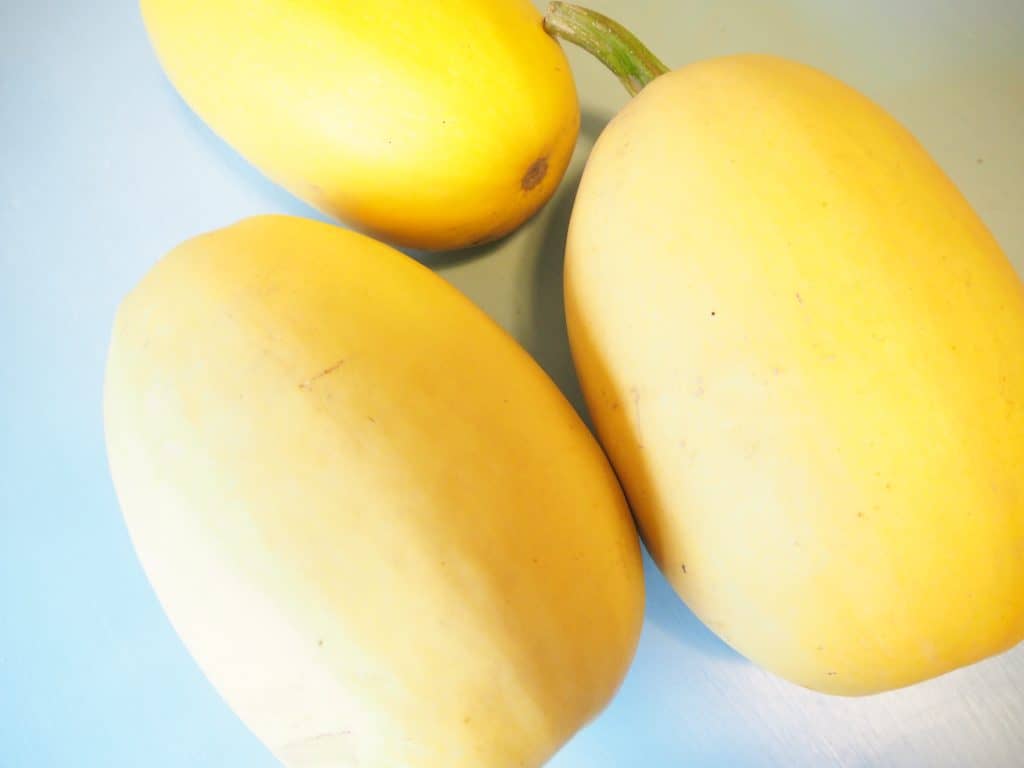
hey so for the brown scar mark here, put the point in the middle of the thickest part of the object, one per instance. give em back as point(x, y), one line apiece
point(308, 383)
point(534, 174)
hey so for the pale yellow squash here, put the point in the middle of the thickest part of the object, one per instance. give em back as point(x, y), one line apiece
point(434, 125)
point(383, 533)
point(804, 353)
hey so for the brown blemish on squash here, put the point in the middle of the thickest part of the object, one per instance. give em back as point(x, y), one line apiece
point(307, 385)
point(534, 174)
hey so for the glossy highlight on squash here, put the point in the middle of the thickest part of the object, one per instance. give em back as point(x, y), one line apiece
point(432, 125)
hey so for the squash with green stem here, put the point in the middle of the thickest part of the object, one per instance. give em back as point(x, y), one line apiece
point(804, 354)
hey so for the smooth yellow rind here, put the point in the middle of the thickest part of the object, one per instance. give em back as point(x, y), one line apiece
point(429, 125)
point(380, 529)
point(804, 354)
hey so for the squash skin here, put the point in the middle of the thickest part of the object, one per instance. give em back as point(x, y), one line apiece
point(380, 529)
point(430, 126)
point(804, 354)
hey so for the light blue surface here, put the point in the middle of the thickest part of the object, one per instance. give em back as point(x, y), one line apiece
point(102, 170)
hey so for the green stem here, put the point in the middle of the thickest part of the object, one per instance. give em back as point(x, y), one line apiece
point(614, 45)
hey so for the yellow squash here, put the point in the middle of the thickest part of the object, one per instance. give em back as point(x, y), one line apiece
point(383, 533)
point(804, 354)
point(434, 125)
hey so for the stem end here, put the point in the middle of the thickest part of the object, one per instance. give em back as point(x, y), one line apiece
point(614, 45)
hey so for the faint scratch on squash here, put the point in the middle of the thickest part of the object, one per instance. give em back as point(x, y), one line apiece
point(308, 383)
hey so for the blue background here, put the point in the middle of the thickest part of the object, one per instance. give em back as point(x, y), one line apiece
point(102, 170)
